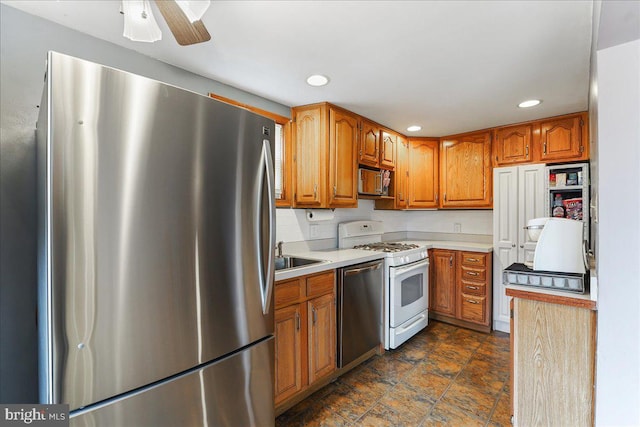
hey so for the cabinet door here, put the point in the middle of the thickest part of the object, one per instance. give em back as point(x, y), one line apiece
point(343, 161)
point(423, 173)
point(310, 159)
point(401, 172)
point(388, 151)
point(322, 336)
point(554, 357)
point(561, 139)
point(369, 144)
point(505, 238)
point(513, 144)
point(531, 204)
point(288, 352)
point(442, 298)
point(465, 171)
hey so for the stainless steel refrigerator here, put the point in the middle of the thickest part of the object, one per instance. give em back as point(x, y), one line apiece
point(156, 231)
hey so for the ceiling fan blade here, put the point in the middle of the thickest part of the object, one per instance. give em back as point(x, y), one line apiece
point(185, 32)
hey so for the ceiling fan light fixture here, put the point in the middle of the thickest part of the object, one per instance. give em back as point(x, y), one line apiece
point(414, 128)
point(529, 103)
point(194, 9)
point(139, 23)
point(317, 80)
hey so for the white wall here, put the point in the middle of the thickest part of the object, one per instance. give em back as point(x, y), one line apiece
point(293, 226)
point(618, 258)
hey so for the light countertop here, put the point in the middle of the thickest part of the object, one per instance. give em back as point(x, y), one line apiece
point(337, 258)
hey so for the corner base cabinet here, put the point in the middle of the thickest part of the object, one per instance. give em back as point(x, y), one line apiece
point(553, 361)
point(460, 288)
point(305, 333)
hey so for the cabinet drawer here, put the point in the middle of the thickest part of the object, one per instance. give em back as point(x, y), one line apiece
point(473, 288)
point(473, 308)
point(474, 259)
point(320, 284)
point(287, 292)
point(472, 273)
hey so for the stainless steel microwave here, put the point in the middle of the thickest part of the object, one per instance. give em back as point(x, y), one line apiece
point(369, 181)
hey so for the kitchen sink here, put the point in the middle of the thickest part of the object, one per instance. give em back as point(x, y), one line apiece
point(286, 262)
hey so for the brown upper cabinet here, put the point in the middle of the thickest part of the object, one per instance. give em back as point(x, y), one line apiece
point(401, 175)
point(514, 144)
point(325, 162)
point(368, 153)
point(553, 140)
point(564, 138)
point(388, 150)
point(423, 173)
point(465, 171)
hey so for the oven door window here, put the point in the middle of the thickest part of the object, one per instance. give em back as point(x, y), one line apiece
point(411, 290)
point(408, 292)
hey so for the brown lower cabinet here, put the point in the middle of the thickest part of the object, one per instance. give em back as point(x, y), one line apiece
point(305, 333)
point(552, 359)
point(460, 288)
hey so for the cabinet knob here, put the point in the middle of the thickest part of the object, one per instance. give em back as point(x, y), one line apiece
point(472, 273)
point(451, 261)
point(475, 288)
point(513, 245)
point(522, 246)
point(470, 301)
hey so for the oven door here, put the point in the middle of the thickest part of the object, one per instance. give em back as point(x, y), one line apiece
point(408, 291)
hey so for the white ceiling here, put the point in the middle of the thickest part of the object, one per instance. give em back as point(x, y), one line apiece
point(449, 66)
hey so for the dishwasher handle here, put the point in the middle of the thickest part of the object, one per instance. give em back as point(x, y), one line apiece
point(371, 267)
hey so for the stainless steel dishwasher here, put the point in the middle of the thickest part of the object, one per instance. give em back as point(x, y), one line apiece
point(360, 310)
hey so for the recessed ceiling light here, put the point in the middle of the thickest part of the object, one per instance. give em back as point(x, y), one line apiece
point(414, 128)
point(529, 103)
point(317, 80)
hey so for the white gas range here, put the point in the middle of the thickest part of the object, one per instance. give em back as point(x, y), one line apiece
point(406, 296)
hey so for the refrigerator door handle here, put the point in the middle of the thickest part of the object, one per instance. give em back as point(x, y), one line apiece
point(266, 285)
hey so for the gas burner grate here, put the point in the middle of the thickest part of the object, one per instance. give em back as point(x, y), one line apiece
point(387, 247)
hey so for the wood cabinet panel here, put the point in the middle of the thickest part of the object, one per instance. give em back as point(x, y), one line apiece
point(320, 284)
point(343, 171)
point(465, 171)
point(288, 292)
point(423, 173)
point(473, 288)
point(305, 333)
point(473, 308)
point(562, 139)
point(513, 144)
point(322, 336)
point(553, 364)
point(369, 144)
point(288, 352)
point(401, 173)
point(310, 162)
point(442, 298)
point(388, 150)
point(473, 259)
point(473, 273)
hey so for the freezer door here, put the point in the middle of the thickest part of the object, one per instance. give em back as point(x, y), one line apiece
point(236, 391)
point(159, 231)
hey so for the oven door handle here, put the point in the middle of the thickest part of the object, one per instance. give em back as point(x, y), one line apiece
point(416, 265)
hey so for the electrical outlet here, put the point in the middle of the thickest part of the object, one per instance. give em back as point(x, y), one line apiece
point(313, 230)
point(457, 227)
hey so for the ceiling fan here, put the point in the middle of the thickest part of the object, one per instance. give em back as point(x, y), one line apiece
point(182, 17)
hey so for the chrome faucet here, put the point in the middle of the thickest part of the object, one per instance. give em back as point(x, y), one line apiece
point(279, 249)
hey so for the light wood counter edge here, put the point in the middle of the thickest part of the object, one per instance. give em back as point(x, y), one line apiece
point(539, 295)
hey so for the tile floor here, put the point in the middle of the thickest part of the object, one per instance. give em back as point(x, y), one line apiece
point(445, 375)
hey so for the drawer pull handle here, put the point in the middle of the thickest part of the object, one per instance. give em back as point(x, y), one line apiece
point(472, 273)
point(473, 260)
point(470, 301)
point(472, 287)
point(297, 321)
